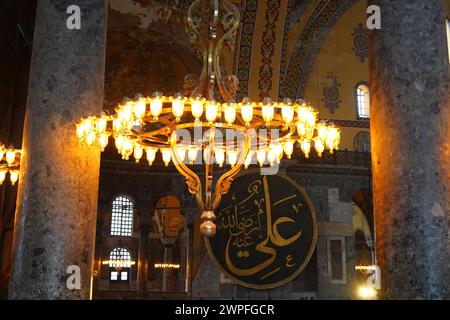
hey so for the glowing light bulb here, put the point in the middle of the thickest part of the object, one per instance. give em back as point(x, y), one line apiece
point(101, 124)
point(312, 118)
point(139, 108)
point(2, 151)
point(13, 176)
point(178, 107)
point(2, 176)
point(333, 133)
point(248, 160)
point(127, 112)
point(301, 129)
point(287, 112)
point(119, 143)
point(261, 157)
point(197, 107)
point(232, 157)
point(156, 105)
point(307, 121)
point(103, 141)
point(87, 123)
point(278, 152)
point(303, 113)
point(211, 111)
point(127, 149)
point(219, 154)
point(80, 135)
point(320, 147)
point(166, 156)
point(322, 131)
point(306, 147)
point(192, 154)
point(288, 148)
point(151, 154)
point(90, 138)
point(333, 138)
point(271, 155)
point(138, 152)
point(117, 125)
point(181, 153)
point(247, 113)
point(230, 113)
point(268, 113)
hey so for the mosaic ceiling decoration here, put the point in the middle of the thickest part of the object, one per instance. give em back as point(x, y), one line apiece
point(268, 49)
point(131, 67)
point(246, 45)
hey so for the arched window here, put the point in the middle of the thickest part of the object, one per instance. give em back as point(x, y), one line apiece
point(361, 143)
point(122, 217)
point(362, 100)
point(120, 264)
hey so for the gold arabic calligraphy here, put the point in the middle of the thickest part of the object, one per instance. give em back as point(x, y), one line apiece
point(246, 229)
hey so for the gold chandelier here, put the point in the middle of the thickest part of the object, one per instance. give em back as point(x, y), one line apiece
point(224, 133)
point(9, 163)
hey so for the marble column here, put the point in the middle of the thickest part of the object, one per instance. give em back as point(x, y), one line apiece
point(410, 102)
point(57, 204)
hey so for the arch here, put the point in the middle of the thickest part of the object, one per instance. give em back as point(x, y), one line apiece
point(325, 16)
point(120, 254)
point(122, 216)
point(360, 223)
point(168, 219)
point(361, 142)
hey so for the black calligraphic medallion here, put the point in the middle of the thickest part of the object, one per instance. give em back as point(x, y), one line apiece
point(266, 231)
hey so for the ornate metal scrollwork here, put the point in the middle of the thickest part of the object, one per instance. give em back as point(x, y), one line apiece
point(211, 41)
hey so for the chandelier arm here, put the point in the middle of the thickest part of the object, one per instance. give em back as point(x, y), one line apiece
point(212, 44)
point(196, 39)
point(228, 36)
point(192, 180)
point(224, 183)
point(192, 28)
point(203, 80)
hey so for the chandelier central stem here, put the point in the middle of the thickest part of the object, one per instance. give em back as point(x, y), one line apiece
point(212, 36)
